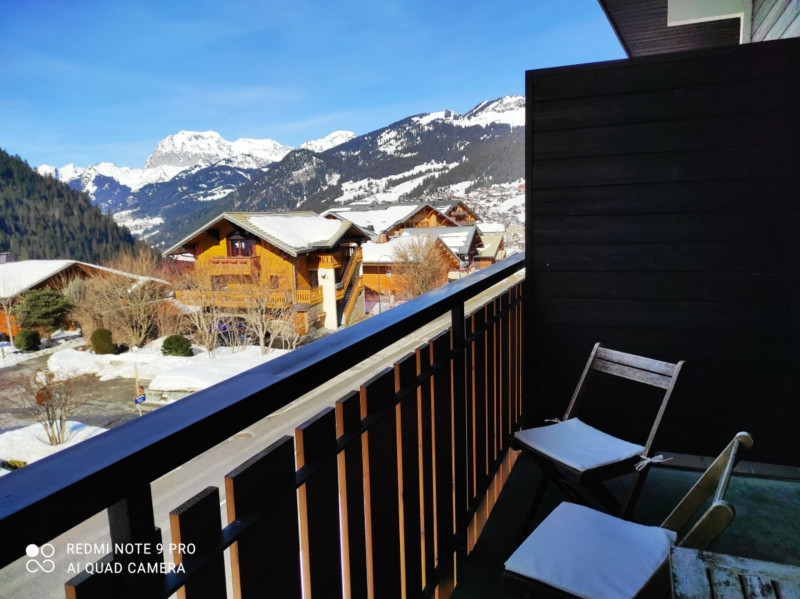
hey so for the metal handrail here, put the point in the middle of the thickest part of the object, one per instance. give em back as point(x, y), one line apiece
point(102, 470)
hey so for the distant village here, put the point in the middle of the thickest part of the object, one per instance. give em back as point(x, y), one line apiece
point(261, 278)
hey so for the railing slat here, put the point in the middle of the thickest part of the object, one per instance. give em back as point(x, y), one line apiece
point(265, 558)
point(427, 464)
point(410, 474)
point(197, 523)
point(319, 506)
point(351, 490)
point(480, 464)
point(380, 487)
point(444, 476)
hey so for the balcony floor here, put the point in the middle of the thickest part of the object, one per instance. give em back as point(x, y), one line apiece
point(766, 527)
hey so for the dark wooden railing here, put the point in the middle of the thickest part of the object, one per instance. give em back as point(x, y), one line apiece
point(380, 495)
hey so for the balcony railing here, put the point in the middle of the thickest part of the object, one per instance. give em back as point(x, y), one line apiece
point(232, 299)
point(227, 265)
point(312, 297)
point(390, 484)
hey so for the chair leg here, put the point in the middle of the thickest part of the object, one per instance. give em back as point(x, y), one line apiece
point(537, 501)
point(633, 493)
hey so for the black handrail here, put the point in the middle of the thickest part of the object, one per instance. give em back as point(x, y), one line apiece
point(47, 498)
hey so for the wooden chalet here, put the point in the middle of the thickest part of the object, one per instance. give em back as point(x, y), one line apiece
point(309, 261)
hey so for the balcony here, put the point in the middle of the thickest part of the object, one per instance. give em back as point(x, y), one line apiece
point(377, 492)
point(229, 265)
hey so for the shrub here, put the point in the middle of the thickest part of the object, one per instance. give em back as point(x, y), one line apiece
point(12, 464)
point(27, 340)
point(44, 308)
point(101, 342)
point(176, 345)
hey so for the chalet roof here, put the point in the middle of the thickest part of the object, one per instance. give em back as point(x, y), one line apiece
point(378, 219)
point(457, 239)
point(18, 277)
point(384, 253)
point(490, 246)
point(446, 207)
point(295, 233)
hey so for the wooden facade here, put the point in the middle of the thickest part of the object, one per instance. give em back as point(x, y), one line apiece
point(662, 216)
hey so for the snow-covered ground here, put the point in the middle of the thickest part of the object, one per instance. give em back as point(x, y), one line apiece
point(167, 374)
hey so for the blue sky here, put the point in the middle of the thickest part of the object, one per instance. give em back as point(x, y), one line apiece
point(103, 81)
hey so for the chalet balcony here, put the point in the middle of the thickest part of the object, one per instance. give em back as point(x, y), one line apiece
point(238, 298)
point(238, 265)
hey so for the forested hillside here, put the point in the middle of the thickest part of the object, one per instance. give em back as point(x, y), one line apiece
point(41, 218)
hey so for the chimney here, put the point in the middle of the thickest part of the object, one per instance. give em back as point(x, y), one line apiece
point(6, 257)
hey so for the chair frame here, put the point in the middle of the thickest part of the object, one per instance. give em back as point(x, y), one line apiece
point(644, 370)
point(714, 520)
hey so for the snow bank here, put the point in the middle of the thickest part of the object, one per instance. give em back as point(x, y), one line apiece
point(30, 443)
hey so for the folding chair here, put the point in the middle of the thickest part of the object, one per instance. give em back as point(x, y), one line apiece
point(579, 457)
point(579, 551)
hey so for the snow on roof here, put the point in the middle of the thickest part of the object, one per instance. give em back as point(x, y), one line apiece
point(491, 227)
point(297, 230)
point(377, 219)
point(16, 277)
point(373, 253)
point(457, 239)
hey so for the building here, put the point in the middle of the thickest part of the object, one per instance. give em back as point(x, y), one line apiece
point(309, 263)
point(390, 219)
point(17, 277)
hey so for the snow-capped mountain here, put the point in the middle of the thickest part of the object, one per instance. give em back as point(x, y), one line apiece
point(190, 148)
point(192, 176)
point(329, 141)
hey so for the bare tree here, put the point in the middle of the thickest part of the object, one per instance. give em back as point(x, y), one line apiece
point(420, 264)
point(49, 401)
point(204, 297)
point(126, 305)
point(266, 308)
point(8, 299)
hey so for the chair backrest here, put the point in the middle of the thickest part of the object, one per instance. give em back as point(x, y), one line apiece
point(629, 366)
point(720, 513)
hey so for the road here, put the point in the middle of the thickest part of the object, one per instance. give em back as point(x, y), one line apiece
point(210, 468)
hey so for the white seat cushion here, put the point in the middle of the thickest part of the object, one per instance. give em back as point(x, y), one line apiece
point(578, 445)
point(590, 554)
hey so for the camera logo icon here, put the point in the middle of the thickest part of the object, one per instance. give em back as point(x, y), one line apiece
point(45, 565)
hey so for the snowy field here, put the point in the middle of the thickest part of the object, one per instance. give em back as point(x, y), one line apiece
point(165, 373)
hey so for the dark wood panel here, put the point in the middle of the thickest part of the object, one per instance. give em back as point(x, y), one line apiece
point(197, 523)
point(479, 407)
point(408, 414)
point(381, 497)
point(351, 489)
point(448, 479)
point(665, 104)
point(561, 342)
point(694, 316)
point(427, 463)
point(738, 64)
point(768, 257)
point(266, 558)
point(669, 228)
point(723, 287)
point(667, 135)
point(696, 165)
point(318, 501)
point(749, 195)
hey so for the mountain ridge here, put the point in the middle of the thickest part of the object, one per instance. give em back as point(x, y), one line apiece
point(191, 176)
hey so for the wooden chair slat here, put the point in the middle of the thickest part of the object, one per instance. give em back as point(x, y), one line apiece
point(640, 362)
point(634, 374)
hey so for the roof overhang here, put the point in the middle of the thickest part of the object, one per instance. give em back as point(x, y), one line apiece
point(646, 27)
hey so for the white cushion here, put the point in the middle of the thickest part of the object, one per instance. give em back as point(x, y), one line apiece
point(590, 554)
point(578, 445)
